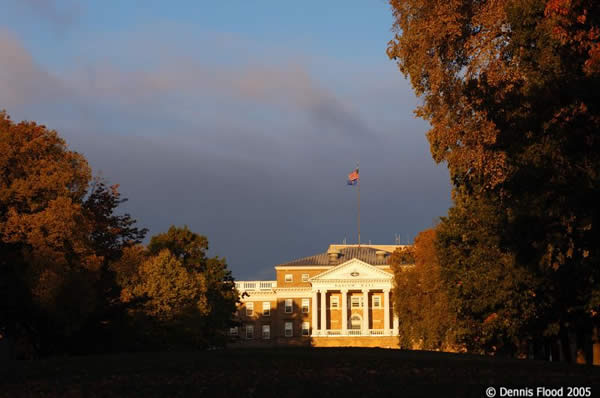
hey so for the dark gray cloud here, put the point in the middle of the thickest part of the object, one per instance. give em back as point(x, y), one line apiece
point(254, 156)
point(331, 114)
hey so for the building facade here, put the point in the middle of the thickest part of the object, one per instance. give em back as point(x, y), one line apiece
point(338, 298)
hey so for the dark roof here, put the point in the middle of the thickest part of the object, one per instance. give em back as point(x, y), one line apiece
point(366, 254)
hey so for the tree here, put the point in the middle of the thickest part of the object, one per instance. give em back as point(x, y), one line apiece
point(499, 304)
point(45, 251)
point(111, 232)
point(190, 249)
point(112, 235)
point(57, 238)
point(420, 299)
point(166, 301)
point(509, 88)
point(172, 290)
point(184, 244)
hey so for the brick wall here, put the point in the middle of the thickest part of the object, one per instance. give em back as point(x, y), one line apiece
point(357, 341)
point(297, 276)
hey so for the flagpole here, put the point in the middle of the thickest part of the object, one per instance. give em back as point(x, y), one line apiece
point(357, 167)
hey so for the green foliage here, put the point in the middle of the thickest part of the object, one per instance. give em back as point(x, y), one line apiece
point(175, 291)
point(191, 249)
point(170, 288)
point(184, 244)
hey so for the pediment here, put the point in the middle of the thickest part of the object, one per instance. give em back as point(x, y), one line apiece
point(353, 269)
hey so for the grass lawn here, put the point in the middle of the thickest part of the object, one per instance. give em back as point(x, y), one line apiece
point(284, 372)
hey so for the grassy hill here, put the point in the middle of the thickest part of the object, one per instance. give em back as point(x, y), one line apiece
point(283, 372)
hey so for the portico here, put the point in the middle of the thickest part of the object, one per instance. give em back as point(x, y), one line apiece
point(350, 292)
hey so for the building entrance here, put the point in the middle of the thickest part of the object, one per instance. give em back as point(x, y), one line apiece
point(355, 322)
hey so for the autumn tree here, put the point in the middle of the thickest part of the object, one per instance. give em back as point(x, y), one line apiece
point(420, 300)
point(173, 302)
point(112, 234)
point(175, 290)
point(184, 244)
point(47, 263)
point(57, 238)
point(509, 88)
point(501, 307)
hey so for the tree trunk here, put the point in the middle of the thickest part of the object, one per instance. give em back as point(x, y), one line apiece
point(565, 347)
point(5, 348)
point(596, 346)
point(541, 350)
point(555, 352)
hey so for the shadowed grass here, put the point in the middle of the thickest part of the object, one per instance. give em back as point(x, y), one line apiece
point(282, 372)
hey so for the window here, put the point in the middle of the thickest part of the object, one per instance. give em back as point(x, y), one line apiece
point(305, 306)
point(289, 278)
point(266, 332)
point(335, 302)
point(266, 308)
point(289, 329)
point(305, 329)
point(249, 331)
point(355, 322)
point(249, 309)
point(376, 301)
point(289, 306)
point(233, 331)
point(356, 301)
point(305, 277)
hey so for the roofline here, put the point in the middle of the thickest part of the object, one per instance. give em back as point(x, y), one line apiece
point(345, 263)
point(389, 249)
point(325, 266)
point(386, 248)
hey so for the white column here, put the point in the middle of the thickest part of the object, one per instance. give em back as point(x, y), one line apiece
point(323, 312)
point(386, 311)
point(314, 309)
point(344, 299)
point(396, 325)
point(365, 311)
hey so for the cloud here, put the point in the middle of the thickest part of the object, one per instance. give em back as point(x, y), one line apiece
point(287, 85)
point(253, 154)
point(180, 79)
point(61, 15)
point(22, 80)
point(293, 83)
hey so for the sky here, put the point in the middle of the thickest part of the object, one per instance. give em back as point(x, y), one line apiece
point(238, 119)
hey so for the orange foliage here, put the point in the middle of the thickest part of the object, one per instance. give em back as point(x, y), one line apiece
point(41, 190)
point(571, 26)
point(431, 47)
point(420, 299)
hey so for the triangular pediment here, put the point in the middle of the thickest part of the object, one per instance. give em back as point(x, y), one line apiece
point(353, 269)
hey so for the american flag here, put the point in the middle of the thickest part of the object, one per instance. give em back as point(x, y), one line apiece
point(353, 177)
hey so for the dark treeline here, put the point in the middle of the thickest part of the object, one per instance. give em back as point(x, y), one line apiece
point(510, 89)
point(74, 276)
